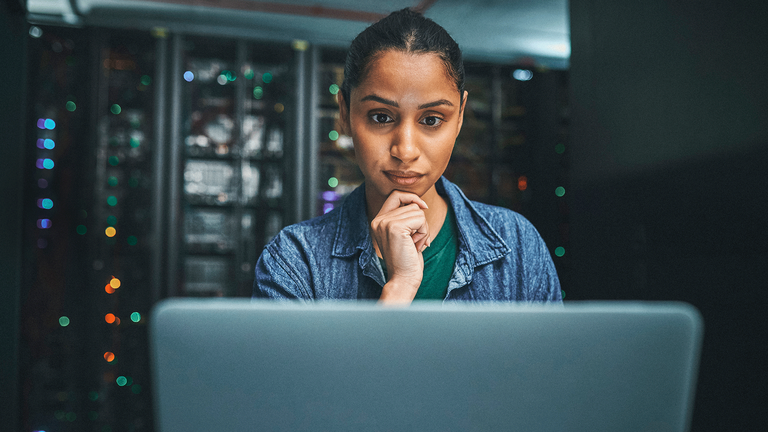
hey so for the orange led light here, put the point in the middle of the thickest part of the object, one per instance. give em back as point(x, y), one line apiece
point(109, 357)
point(110, 318)
point(522, 183)
point(110, 231)
point(109, 289)
point(114, 283)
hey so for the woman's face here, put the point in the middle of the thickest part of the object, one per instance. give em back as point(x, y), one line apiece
point(403, 118)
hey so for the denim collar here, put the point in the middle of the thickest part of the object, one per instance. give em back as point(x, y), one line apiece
point(479, 243)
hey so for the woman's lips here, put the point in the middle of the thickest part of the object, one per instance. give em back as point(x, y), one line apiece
point(403, 178)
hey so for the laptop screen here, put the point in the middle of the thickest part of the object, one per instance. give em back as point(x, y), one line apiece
point(226, 365)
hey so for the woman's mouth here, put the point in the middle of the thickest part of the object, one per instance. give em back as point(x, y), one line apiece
point(403, 178)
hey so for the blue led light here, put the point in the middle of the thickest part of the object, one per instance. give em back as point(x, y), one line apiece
point(40, 143)
point(327, 207)
point(50, 124)
point(41, 123)
point(49, 144)
point(522, 75)
point(45, 203)
point(44, 163)
point(189, 76)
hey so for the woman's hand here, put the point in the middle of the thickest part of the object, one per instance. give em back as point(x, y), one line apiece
point(401, 233)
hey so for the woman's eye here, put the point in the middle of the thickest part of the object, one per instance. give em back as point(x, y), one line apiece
point(381, 118)
point(432, 121)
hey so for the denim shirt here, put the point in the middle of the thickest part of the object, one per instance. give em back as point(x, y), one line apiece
point(501, 256)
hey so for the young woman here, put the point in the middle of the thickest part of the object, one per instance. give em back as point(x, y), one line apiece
point(407, 233)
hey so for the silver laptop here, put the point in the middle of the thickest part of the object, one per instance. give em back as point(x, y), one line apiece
point(236, 365)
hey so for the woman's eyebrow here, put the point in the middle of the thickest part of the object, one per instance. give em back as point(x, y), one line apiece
point(375, 98)
point(380, 99)
point(436, 103)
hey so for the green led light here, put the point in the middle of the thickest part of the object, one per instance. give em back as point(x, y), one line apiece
point(111, 220)
point(113, 160)
point(71, 106)
point(333, 135)
point(134, 143)
point(334, 89)
point(128, 381)
point(135, 317)
point(248, 74)
point(333, 182)
point(71, 416)
point(560, 148)
point(562, 294)
point(132, 240)
point(60, 415)
point(121, 380)
point(93, 395)
point(115, 109)
point(136, 389)
point(64, 321)
point(133, 182)
point(146, 80)
point(112, 181)
point(560, 191)
point(258, 92)
point(112, 201)
point(267, 78)
point(559, 251)
point(81, 229)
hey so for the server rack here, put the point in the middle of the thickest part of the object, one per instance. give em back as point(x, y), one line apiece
point(120, 212)
point(235, 109)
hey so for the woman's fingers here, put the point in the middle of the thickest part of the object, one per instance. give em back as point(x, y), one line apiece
point(409, 220)
point(398, 199)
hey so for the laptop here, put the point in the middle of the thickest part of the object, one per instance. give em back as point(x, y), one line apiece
point(242, 365)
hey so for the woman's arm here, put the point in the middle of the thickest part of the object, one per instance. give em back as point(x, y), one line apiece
point(276, 278)
point(401, 233)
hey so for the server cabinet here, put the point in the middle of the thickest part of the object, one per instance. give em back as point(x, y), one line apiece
point(234, 105)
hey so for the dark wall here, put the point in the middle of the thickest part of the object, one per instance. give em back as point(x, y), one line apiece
point(12, 85)
point(669, 191)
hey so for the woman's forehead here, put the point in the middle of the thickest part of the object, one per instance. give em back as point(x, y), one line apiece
point(394, 74)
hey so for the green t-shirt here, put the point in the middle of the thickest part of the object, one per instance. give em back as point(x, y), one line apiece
point(439, 259)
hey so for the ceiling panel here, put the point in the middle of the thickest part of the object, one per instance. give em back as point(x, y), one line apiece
point(503, 31)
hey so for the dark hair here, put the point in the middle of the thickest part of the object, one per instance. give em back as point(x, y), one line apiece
point(407, 31)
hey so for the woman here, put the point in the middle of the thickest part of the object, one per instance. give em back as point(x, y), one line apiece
point(407, 233)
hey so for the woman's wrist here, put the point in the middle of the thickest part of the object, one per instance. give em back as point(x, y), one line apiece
point(399, 292)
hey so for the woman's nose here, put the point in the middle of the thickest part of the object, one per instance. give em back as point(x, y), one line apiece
point(404, 143)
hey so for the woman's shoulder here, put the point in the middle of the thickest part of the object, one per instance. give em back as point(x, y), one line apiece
point(512, 227)
point(502, 217)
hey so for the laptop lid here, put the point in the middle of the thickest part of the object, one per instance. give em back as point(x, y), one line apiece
point(236, 365)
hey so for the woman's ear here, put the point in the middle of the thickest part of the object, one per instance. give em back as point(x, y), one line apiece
point(343, 114)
